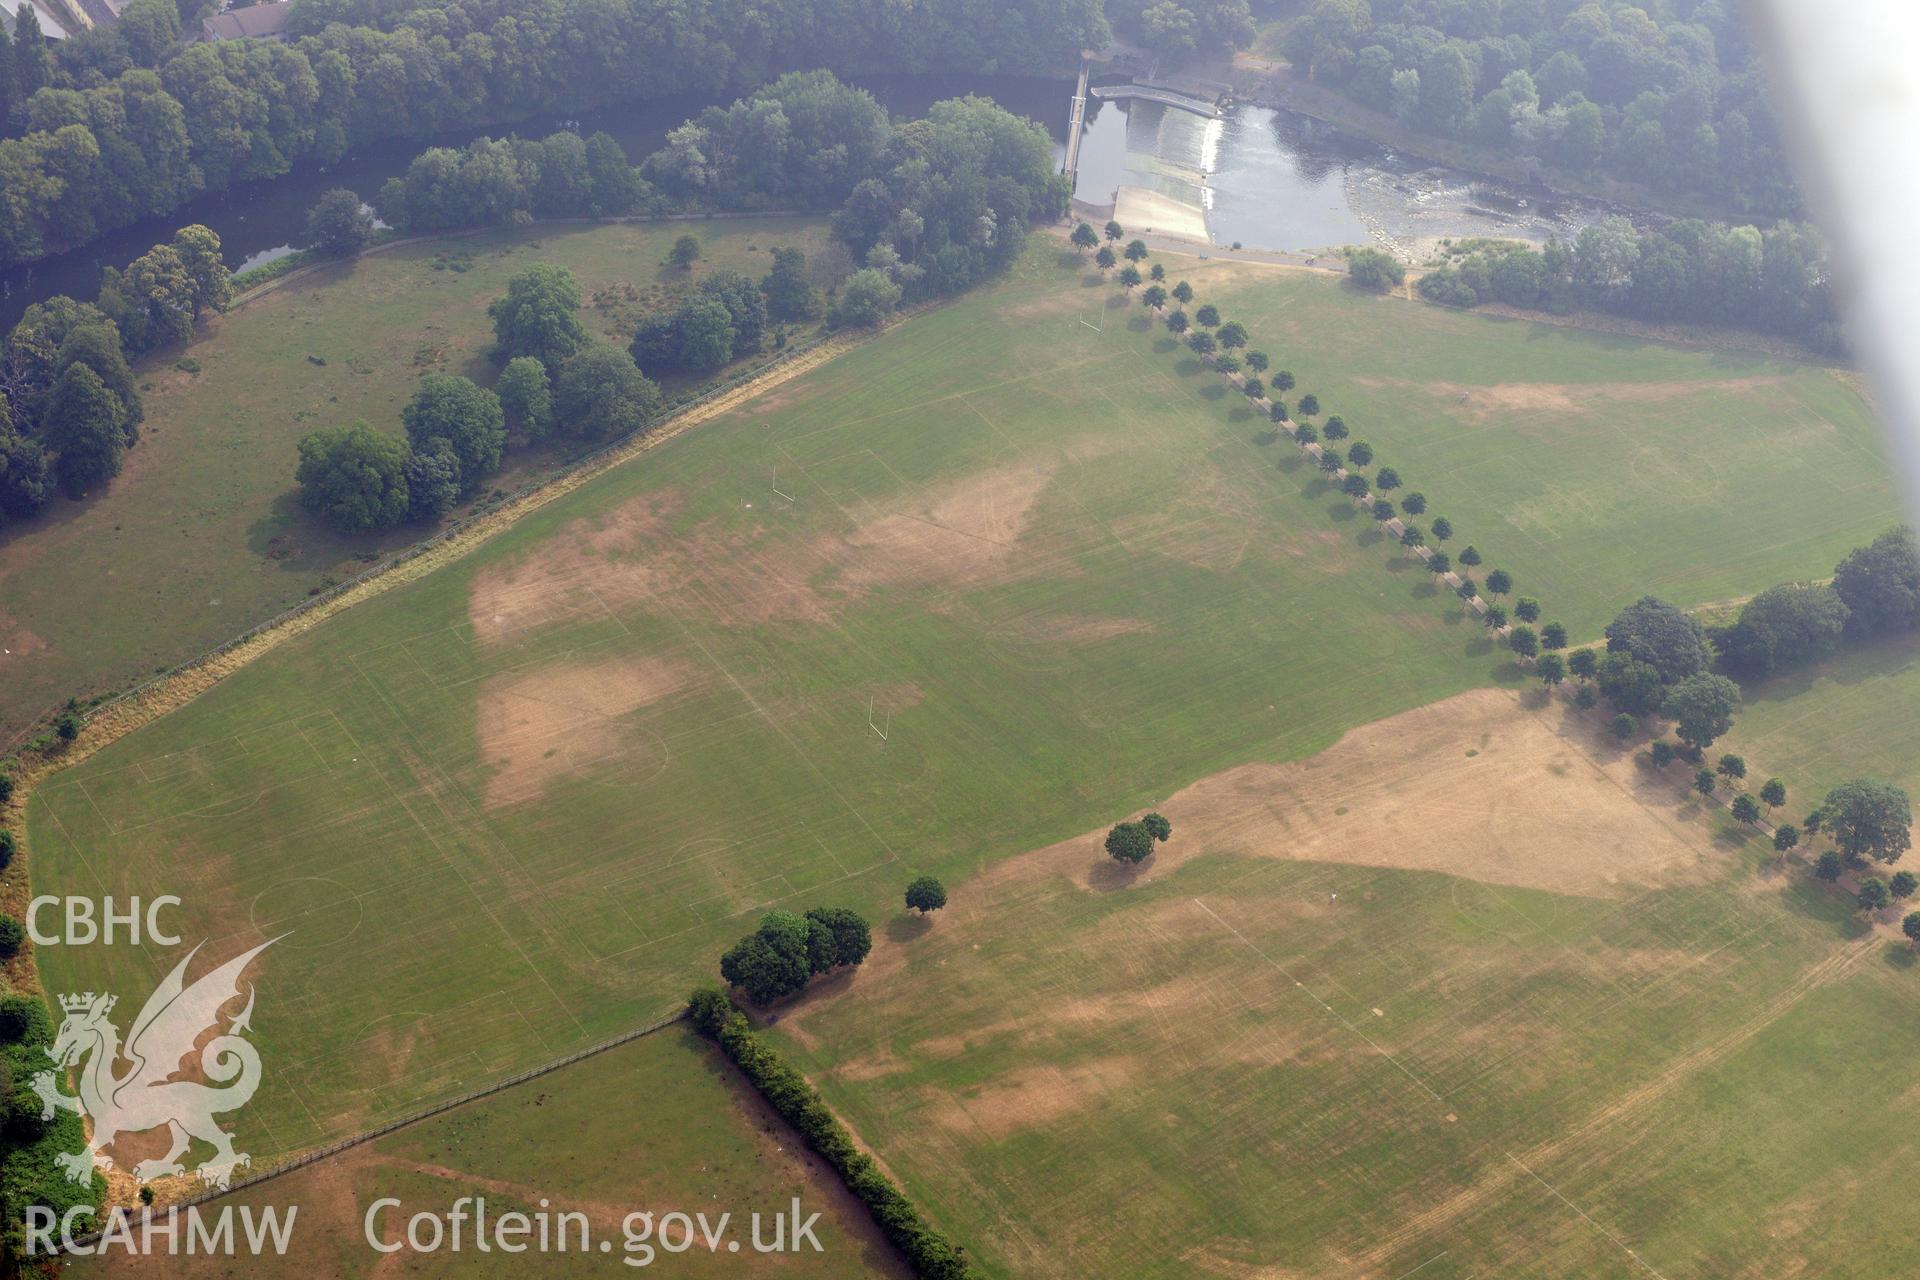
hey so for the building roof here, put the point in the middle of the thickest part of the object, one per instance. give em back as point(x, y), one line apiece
point(255, 22)
point(49, 25)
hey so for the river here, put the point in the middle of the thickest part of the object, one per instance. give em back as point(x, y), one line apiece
point(1274, 179)
point(1265, 179)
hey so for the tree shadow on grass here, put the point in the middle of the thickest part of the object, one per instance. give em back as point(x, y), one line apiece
point(1163, 345)
point(1264, 438)
point(1478, 647)
point(1139, 324)
point(1509, 674)
point(1240, 414)
point(909, 926)
point(1109, 875)
point(1399, 564)
point(1212, 391)
point(1899, 955)
point(1186, 368)
point(1454, 617)
point(1069, 259)
point(1372, 537)
point(1424, 590)
point(1342, 512)
point(1290, 463)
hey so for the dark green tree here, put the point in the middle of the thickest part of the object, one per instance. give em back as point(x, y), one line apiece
point(926, 893)
point(848, 938)
point(1157, 827)
point(1732, 767)
point(1704, 781)
point(1880, 583)
point(1785, 837)
point(538, 316)
point(1085, 237)
point(602, 395)
point(1868, 818)
point(1745, 808)
point(1129, 842)
point(685, 252)
point(354, 477)
point(1624, 726)
point(1702, 706)
point(526, 396)
point(1554, 635)
point(86, 426)
point(339, 224)
point(467, 416)
point(1661, 636)
point(1829, 865)
point(1629, 684)
point(1773, 793)
point(1414, 503)
point(1874, 895)
point(1500, 582)
point(791, 295)
point(1442, 528)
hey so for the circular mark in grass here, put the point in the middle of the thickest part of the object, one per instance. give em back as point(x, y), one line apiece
point(1472, 753)
point(1341, 812)
point(643, 755)
point(312, 911)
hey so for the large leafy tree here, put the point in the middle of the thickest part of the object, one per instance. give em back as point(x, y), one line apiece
point(1880, 583)
point(602, 395)
point(354, 476)
point(1783, 627)
point(789, 287)
point(1868, 818)
point(539, 316)
point(1661, 636)
point(1702, 707)
point(153, 302)
point(86, 426)
point(464, 414)
point(526, 396)
point(339, 223)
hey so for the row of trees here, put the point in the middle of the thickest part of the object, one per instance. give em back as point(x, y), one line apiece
point(555, 378)
point(1775, 281)
point(1657, 662)
point(69, 406)
point(102, 141)
point(1670, 97)
point(1658, 659)
point(929, 1254)
point(1225, 344)
point(514, 180)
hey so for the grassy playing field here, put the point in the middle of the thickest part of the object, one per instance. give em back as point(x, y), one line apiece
point(701, 1143)
point(517, 806)
point(1593, 467)
point(203, 535)
point(1849, 717)
point(952, 603)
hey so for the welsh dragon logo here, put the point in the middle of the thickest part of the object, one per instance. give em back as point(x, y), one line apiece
point(144, 1096)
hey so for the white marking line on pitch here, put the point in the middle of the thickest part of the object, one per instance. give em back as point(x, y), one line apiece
point(1583, 1213)
point(1429, 1262)
point(1376, 1045)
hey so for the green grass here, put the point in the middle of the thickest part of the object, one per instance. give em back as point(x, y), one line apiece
point(1593, 467)
point(1172, 602)
point(203, 535)
point(1215, 1071)
point(657, 1126)
point(1851, 716)
point(518, 805)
